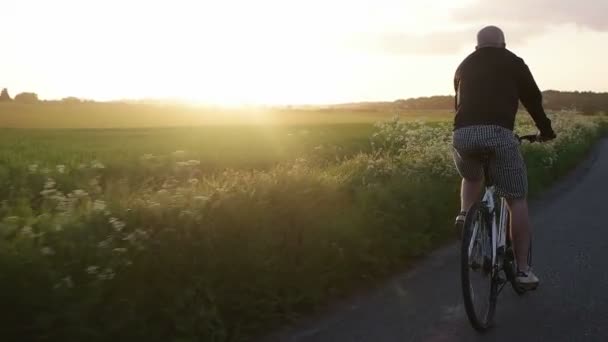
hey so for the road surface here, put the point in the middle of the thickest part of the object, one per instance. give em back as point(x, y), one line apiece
point(570, 224)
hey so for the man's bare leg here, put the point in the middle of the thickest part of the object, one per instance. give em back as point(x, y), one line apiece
point(520, 231)
point(470, 192)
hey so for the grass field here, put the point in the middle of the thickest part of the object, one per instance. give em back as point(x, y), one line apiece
point(221, 232)
point(215, 146)
point(123, 115)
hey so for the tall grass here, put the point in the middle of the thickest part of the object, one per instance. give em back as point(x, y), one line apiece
point(162, 250)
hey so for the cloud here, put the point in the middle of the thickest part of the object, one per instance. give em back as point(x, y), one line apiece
point(398, 43)
point(434, 43)
point(585, 13)
point(520, 19)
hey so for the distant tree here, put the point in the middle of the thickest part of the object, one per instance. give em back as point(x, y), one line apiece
point(26, 98)
point(4, 96)
point(71, 99)
point(585, 102)
point(423, 103)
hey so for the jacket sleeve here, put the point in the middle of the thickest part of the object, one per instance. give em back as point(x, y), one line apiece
point(456, 84)
point(532, 99)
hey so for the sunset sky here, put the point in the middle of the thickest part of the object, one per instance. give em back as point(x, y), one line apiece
point(286, 51)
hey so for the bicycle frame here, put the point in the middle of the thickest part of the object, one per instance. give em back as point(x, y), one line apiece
point(499, 229)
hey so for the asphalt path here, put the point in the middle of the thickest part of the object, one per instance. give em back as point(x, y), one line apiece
point(570, 232)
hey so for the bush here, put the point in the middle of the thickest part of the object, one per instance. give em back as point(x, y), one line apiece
point(166, 253)
point(26, 98)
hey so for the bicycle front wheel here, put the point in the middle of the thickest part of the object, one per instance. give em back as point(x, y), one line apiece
point(479, 286)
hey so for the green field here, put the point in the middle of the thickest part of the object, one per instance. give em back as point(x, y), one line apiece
point(123, 115)
point(221, 232)
point(215, 146)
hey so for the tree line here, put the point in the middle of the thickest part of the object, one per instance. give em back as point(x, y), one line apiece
point(29, 97)
point(24, 97)
point(586, 102)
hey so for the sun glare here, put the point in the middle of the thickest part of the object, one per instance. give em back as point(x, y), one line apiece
point(249, 52)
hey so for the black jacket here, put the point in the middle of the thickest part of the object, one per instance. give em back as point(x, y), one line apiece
point(489, 84)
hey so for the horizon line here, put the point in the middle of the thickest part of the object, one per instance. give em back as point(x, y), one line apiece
point(193, 102)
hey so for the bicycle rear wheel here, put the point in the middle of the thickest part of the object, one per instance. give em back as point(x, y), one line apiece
point(479, 286)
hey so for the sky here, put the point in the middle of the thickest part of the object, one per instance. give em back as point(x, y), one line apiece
point(287, 51)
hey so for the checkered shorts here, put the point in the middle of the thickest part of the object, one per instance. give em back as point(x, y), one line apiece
point(506, 167)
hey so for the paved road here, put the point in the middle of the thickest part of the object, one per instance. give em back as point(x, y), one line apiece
point(570, 257)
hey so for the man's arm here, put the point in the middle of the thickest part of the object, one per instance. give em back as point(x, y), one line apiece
point(456, 81)
point(532, 99)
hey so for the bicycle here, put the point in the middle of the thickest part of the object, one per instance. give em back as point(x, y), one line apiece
point(486, 250)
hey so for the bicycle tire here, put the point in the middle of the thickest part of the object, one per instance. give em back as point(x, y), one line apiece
point(480, 321)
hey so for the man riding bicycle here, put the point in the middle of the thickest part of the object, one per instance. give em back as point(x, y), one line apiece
point(489, 84)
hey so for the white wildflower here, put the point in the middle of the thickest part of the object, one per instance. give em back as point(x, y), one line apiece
point(147, 156)
point(132, 237)
point(201, 199)
point(47, 192)
point(153, 205)
point(193, 181)
point(82, 166)
point(170, 183)
point(92, 270)
point(94, 184)
point(61, 168)
point(117, 224)
point(162, 192)
point(64, 204)
point(105, 243)
point(193, 162)
point(32, 168)
point(141, 233)
point(67, 281)
point(46, 170)
point(27, 232)
point(79, 193)
point(99, 205)
point(185, 213)
point(47, 251)
point(178, 153)
point(177, 198)
point(106, 274)
point(181, 164)
point(96, 164)
point(120, 250)
point(50, 183)
point(11, 219)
